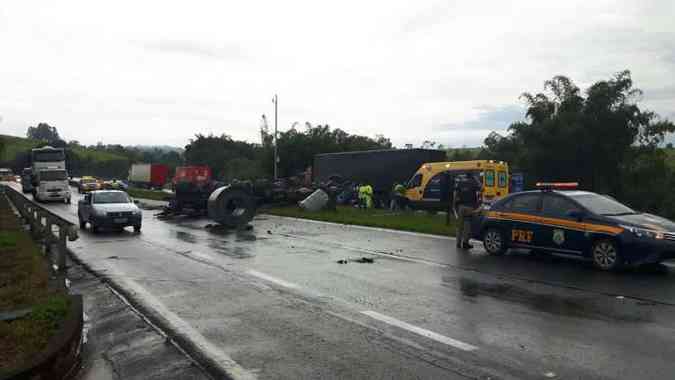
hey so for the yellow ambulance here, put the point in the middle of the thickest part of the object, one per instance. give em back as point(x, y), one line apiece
point(432, 185)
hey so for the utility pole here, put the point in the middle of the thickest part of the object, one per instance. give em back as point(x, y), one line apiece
point(275, 100)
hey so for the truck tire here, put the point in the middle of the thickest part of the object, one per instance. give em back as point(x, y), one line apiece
point(231, 206)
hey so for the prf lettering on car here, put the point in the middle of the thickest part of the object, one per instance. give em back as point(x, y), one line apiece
point(522, 236)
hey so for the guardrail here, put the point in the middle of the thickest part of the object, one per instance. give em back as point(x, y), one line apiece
point(46, 227)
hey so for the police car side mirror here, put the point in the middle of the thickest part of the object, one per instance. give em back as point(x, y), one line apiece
point(576, 214)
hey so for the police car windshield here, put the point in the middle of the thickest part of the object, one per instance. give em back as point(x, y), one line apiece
point(602, 205)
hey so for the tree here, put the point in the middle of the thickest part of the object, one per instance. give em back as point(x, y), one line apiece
point(43, 131)
point(603, 139)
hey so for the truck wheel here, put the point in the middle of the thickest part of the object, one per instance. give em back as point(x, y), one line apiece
point(606, 255)
point(137, 228)
point(94, 228)
point(83, 223)
point(494, 242)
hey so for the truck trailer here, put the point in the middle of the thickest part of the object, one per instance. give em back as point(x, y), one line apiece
point(379, 168)
point(148, 175)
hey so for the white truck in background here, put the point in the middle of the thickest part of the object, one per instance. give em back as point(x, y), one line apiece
point(148, 175)
point(49, 176)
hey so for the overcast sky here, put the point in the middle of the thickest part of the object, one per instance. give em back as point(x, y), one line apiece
point(146, 72)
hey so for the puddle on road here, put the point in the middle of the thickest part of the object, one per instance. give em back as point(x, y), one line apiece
point(236, 252)
point(186, 237)
point(602, 309)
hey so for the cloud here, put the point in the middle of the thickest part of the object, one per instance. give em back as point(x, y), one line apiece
point(427, 18)
point(490, 118)
point(198, 49)
point(660, 93)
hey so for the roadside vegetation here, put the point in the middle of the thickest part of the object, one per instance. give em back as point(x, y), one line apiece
point(25, 284)
point(156, 195)
point(422, 222)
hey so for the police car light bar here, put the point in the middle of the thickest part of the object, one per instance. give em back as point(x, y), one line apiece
point(557, 185)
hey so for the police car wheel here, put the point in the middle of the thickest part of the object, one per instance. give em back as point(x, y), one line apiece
point(493, 241)
point(606, 255)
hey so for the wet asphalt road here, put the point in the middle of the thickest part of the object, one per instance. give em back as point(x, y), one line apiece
point(272, 302)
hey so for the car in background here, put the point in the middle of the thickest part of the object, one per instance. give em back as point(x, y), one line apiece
point(88, 183)
point(579, 223)
point(27, 181)
point(7, 174)
point(115, 184)
point(108, 209)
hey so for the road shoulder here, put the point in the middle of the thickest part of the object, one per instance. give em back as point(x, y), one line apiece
point(120, 343)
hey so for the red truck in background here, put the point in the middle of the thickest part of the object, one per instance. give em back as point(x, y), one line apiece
point(148, 175)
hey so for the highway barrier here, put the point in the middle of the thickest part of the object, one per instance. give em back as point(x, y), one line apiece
point(47, 228)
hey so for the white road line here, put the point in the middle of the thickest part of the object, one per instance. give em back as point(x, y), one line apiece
point(420, 331)
point(275, 280)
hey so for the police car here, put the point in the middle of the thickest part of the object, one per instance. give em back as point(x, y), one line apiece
point(558, 218)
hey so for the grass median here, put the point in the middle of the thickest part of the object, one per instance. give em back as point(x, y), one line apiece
point(156, 195)
point(25, 284)
point(403, 221)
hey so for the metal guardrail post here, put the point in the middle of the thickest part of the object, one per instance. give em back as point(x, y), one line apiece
point(42, 222)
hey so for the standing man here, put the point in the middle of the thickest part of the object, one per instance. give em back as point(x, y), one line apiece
point(398, 201)
point(465, 201)
point(368, 192)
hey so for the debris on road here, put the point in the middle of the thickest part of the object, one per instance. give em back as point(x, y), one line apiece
point(361, 260)
point(315, 202)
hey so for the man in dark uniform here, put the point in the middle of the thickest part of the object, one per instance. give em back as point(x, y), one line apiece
point(466, 198)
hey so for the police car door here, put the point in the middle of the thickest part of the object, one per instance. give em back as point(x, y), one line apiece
point(521, 215)
point(558, 230)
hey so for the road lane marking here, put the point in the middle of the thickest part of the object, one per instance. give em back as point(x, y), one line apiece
point(420, 331)
point(275, 280)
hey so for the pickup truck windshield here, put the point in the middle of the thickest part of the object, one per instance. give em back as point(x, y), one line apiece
point(53, 175)
point(113, 197)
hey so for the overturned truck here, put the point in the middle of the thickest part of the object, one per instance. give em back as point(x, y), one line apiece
point(197, 193)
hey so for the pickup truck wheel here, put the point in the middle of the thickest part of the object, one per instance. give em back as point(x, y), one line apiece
point(83, 223)
point(94, 228)
point(137, 228)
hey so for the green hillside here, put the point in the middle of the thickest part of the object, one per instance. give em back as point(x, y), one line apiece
point(14, 145)
point(81, 160)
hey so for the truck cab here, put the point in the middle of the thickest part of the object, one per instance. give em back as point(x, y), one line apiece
point(51, 185)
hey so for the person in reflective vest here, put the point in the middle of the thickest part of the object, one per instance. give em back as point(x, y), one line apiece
point(368, 196)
